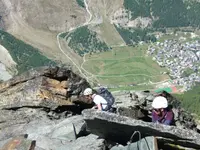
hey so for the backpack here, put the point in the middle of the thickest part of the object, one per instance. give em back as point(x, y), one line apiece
point(106, 95)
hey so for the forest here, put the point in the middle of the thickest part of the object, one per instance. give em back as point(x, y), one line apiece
point(170, 13)
point(83, 40)
point(134, 35)
point(81, 3)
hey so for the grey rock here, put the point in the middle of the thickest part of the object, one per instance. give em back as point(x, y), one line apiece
point(62, 130)
point(133, 112)
point(198, 127)
point(41, 88)
point(126, 106)
point(11, 131)
point(41, 93)
point(38, 148)
point(46, 143)
point(141, 94)
point(176, 113)
point(20, 116)
point(68, 129)
point(3, 142)
point(120, 128)
point(118, 147)
point(150, 98)
point(48, 134)
point(139, 105)
point(90, 142)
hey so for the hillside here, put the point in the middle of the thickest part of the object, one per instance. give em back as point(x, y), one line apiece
point(37, 22)
point(172, 13)
point(138, 49)
point(84, 41)
point(190, 100)
point(122, 34)
point(45, 109)
point(139, 25)
point(24, 56)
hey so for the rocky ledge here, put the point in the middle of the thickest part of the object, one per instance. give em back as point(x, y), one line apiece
point(43, 109)
point(44, 90)
point(120, 129)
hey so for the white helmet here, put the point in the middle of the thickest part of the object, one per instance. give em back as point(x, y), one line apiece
point(160, 102)
point(87, 91)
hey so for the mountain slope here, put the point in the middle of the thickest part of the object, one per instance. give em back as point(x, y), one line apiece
point(25, 56)
point(125, 29)
point(38, 22)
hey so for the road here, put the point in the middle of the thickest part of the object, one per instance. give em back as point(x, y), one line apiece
point(71, 30)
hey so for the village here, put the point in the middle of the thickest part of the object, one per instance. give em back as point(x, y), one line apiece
point(181, 59)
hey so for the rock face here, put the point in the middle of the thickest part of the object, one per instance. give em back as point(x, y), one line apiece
point(52, 134)
point(40, 110)
point(36, 92)
point(85, 143)
point(137, 105)
point(37, 104)
point(36, 13)
point(120, 129)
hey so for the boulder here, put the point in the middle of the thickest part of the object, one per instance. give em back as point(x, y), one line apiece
point(43, 87)
point(38, 103)
point(68, 129)
point(48, 134)
point(120, 129)
point(47, 91)
point(90, 142)
point(126, 105)
point(137, 105)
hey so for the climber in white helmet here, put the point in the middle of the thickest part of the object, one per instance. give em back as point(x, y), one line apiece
point(161, 113)
point(100, 102)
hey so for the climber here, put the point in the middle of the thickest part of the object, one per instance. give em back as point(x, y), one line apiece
point(100, 102)
point(161, 113)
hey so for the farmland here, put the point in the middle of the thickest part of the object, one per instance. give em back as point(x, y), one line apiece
point(124, 66)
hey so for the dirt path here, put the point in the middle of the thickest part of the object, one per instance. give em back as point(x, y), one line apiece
point(84, 73)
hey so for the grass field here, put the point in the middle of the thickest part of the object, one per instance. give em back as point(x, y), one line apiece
point(106, 30)
point(136, 88)
point(124, 66)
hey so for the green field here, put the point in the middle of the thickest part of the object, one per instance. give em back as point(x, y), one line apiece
point(106, 29)
point(124, 66)
point(136, 88)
